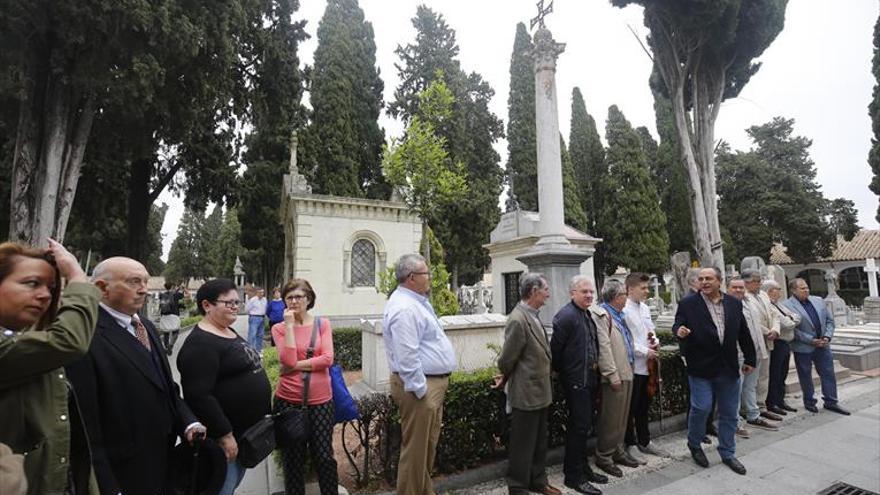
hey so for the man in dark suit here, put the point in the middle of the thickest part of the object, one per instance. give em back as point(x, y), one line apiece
point(575, 351)
point(129, 403)
point(709, 325)
point(524, 364)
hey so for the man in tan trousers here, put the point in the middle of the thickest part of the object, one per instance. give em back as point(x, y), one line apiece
point(616, 356)
point(420, 358)
point(524, 364)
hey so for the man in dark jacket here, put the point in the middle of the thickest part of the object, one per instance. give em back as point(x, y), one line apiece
point(575, 353)
point(709, 325)
point(130, 405)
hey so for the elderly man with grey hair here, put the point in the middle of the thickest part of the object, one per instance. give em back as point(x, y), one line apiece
point(616, 358)
point(524, 364)
point(420, 358)
point(781, 355)
point(757, 306)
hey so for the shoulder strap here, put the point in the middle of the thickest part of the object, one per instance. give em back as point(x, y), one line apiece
point(310, 351)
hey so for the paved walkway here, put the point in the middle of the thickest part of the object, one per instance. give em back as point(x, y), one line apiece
point(808, 454)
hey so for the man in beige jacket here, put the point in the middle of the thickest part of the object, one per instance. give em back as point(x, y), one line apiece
point(616, 356)
point(765, 318)
point(524, 364)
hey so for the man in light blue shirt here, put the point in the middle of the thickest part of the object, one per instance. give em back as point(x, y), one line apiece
point(420, 358)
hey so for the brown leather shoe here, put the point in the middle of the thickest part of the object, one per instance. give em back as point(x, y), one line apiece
point(548, 489)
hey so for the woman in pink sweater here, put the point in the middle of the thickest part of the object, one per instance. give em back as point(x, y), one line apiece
point(292, 338)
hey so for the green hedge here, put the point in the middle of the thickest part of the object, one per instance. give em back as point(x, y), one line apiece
point(347, 347)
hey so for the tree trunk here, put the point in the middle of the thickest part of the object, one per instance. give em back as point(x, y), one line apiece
point(139, 207)
point(53, 128)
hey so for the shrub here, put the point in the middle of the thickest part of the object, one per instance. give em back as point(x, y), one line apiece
point(666, 338)
point(190, 321)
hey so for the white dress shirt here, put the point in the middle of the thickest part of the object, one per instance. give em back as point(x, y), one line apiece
point(638, 319)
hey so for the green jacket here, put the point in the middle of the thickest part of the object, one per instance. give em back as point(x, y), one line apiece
point(34, 390)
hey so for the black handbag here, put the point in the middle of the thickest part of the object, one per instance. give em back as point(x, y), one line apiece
point(292, 424)
point(257, 442)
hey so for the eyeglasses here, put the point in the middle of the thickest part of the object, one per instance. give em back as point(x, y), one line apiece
point(296, 297)
point(231, 303)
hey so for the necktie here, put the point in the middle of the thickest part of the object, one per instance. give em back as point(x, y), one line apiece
point(140, 331)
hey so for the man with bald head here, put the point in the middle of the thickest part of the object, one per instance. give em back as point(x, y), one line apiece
point(129, 403)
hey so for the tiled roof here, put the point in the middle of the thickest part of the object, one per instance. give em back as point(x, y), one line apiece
point(865, 244)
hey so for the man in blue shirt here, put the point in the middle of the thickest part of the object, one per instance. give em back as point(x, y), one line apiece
point(811, 345)
point(421, 359)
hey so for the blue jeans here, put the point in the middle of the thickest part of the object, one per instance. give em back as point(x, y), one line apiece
point(234, 475)
point(255, 331)
point(725, 389)
point(749, 397)
point(824, 361)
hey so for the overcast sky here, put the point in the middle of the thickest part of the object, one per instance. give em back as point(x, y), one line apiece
point(817, 71)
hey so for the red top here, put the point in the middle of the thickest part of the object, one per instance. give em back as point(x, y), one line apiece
point(290, 386)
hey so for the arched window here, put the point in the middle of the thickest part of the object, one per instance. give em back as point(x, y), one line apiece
point(363, 264)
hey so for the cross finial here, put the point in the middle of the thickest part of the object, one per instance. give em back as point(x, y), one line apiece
point(542, 12)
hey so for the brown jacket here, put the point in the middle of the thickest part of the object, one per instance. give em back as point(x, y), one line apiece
point(525, 362)
point(613, 362)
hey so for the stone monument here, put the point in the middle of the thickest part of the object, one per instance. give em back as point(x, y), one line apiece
point(552, 255)
point(753, 263)
point(835, 303)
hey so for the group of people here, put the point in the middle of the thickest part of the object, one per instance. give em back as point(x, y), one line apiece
point(88, 399)
point(736, 347)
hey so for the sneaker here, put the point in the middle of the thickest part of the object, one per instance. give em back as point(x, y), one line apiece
point(743, 433)
point(762, 424)
point(632, 451)
point(651, 449)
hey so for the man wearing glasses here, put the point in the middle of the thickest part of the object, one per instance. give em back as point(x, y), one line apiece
point(129, 404)
point(420, 358)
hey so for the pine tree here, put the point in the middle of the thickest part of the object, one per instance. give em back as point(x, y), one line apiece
point(572, 203)
point(522, 166)
point(634, 225)
point(346, 98)
point(470, 134)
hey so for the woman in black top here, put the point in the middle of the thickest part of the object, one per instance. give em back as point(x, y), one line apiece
point(223, 380)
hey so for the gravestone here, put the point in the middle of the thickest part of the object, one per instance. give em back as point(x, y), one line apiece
point(680, 263)
point(753, 263)
point(835, 303)
point(777, 274)
point(871, 305)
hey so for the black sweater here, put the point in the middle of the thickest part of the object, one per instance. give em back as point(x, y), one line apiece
point(223, 382)
point(573, 334)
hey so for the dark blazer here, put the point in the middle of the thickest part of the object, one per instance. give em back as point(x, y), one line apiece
point(706, 357)
point(131, 409)
point(571, 329)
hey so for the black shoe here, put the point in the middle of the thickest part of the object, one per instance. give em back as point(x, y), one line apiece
point(627, 461)
point(788, 408)
point(812, 409)
point(596, 477)
point(610, 469)
point(836, 408)
point(735, 465)
point(699, 456)
point(777, 410)
point(585, 487)
point(772, 417)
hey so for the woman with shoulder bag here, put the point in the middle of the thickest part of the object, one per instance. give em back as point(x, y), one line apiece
point(222, 376)
point(305, 350)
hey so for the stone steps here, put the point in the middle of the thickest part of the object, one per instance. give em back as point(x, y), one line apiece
point(792, 384)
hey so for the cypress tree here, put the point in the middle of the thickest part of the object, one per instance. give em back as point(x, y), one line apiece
point(572, 204)
point(634, 225)
point(346, 98)
point(874, 111)
point(522, 167)
point(470, 134)
point(587, 157)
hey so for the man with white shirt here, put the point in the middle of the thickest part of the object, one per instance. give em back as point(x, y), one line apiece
point(638, 319)
point(420, 358)
point(129, 403)
point(256, 310)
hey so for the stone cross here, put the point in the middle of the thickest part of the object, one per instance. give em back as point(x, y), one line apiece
point(871, 269)
point(542, 13)
point(655, 282)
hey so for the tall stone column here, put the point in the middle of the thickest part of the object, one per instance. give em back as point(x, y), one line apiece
point(552, 255)
point(550, 195)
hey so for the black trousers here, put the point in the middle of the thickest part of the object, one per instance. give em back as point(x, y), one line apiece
point(780, 357)
point(579, 401)
point(527, 464)
point(319, 444)
point(637, 432)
